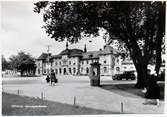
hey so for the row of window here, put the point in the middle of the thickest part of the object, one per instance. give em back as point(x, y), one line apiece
point(87, 70)
point(65, 71)
point(88, 62)
point(64, 62)
point(105, 69)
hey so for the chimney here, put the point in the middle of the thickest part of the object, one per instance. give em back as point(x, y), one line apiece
point(66, 45)
point(85, 49)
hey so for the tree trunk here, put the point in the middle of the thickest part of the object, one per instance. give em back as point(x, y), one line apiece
point(22, 71)
point(141, 70)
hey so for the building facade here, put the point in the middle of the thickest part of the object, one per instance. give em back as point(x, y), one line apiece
point(77, 62)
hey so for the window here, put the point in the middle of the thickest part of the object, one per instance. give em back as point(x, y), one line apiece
point(69, 62)
point(124, 67)
point(117, 69)
point(163, 61)
point(87, 70)
point(90, 56)
point(74, 70)
point(38, 71)
point(105, 69)
point(55, 63)
point(38, 64)
point(55, 71)
point(69, 70)
point(81, 69)
point(44, 71)
point(65, 72)
point(64, 61)
point(60, 62)
point(60, 70)
point(105, 61)
point(117, 60)
point(87, 62)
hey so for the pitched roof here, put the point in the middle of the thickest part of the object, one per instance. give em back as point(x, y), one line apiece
point(91, 55)
point(79, 53)
point(43, 56)
point(108, 50)
point(56, 56)
point(72, 52)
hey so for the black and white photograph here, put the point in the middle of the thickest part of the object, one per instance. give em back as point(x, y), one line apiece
point(82, 57)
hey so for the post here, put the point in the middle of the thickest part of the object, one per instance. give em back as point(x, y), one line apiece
point(74, 100)
point(121, 107)
point(18, 92)
point(42, 95)
point(48, 59)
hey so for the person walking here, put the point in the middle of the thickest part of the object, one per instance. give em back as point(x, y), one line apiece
point(152, 94)
point(53, 77)
point(47, 79)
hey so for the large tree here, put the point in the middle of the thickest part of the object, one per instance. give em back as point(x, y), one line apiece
point(5, 63)
point(23, 62)
point(140, 25)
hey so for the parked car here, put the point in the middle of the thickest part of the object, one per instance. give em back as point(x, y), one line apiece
point(126, 75)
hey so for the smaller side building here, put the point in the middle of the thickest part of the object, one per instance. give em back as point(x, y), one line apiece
point(43, 64)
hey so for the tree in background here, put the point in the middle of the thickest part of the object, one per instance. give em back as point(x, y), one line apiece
point(24, 63)
point(5, 64)
point(140, 25)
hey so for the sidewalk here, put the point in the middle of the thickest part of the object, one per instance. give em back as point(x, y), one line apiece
point(87, 96)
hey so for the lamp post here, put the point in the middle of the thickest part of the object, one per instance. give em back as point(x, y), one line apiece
point(48, 59)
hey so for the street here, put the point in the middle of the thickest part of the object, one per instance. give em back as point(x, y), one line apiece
point(69, 87)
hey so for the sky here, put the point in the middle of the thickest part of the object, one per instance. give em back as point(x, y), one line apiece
point(21, 31)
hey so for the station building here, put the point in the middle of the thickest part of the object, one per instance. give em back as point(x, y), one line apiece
point(77, 62)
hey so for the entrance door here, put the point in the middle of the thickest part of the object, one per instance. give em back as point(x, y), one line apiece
point(65, 72)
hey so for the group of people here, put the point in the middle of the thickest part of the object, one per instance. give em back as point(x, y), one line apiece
point(152, 89)
point(51, 78)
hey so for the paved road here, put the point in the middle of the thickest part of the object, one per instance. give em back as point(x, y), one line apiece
point(70, 86)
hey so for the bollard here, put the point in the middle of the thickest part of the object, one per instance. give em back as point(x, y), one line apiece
point(74, 100)
point(42, 95)
point(121, 107)
point(18, 92)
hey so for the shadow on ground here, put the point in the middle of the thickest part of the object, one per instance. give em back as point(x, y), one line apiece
point(129, 90)
point(53, 108)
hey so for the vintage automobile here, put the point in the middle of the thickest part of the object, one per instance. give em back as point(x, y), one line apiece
point(126, 75)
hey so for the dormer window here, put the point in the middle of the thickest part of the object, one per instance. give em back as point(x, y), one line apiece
point(90, 56)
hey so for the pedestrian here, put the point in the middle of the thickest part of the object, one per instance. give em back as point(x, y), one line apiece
point(152, 94)
point(53, 77)
point(47, 79)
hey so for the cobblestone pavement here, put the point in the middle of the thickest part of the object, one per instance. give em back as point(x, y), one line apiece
point(69, 87)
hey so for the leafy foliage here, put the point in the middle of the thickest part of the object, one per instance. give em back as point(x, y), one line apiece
point(23, 62)
point(5, 64)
